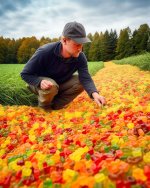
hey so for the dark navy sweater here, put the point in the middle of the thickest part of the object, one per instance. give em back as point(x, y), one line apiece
point(48, 62)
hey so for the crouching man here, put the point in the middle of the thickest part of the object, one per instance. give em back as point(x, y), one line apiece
point(50, 71)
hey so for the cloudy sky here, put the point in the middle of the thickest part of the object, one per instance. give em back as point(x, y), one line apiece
point(26, 18)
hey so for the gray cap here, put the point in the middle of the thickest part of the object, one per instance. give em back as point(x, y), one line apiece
point(76, 32)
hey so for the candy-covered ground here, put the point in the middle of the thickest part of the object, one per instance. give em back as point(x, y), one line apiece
point(83, 145)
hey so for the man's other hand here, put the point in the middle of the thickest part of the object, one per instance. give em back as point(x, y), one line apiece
point(100, 100)
point(46, 84)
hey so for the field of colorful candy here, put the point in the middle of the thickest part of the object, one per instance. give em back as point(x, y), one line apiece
point(82, 145)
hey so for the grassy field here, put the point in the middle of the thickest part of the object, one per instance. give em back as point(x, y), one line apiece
point(141, 61)
point(13, 89)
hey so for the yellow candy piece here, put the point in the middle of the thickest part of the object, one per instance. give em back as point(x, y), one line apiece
point(68, 174)
point(31, 132)
point(2, 151)
point(1, 162)
point(40, 165)
point(35, 125)
point(13, 165)
point(148, 108)
point(59, 145)
point(76, 156)
point(2, 113)
point(26, 172)
point(137, 152)
point(25, 119)
point(32, 137)
point(40, 156)
point(130, 125)
point(61, 137)
point(28, 164)
point(115, 140)
point(99, 177)
point(146, 157)
point(121, 141)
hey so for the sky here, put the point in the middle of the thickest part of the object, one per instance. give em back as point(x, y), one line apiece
point(26, 18)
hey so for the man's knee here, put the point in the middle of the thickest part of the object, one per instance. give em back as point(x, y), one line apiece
point(51, 91)
point(45, 97)
point(77, 87)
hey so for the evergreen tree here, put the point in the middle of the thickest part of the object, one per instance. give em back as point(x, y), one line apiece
point(94, 52)
point(141, 39)
point(148, 42)
point(86, 46)
point(108, 42)
point(101, 47)
point(124, 46)
point(134, 41)
point(105, 47)
point(3, 50)
point(112, 44)
point(11, 53)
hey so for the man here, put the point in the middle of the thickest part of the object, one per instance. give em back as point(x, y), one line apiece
point(49, 72)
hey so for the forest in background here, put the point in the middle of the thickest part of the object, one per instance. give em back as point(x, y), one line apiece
point(105, 46)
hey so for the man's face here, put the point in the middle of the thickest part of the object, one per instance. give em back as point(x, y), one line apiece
point(73, 48)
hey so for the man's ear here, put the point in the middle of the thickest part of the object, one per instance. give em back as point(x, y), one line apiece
point(63, 40)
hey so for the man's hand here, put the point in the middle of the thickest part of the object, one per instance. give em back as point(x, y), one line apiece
point(100, 100)
point(45, 84)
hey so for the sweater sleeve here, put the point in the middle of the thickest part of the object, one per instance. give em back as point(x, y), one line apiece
point(30, 73)
point(85, 77)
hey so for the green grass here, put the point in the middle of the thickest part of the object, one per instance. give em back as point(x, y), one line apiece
point(13, 89)
point(141, 61)
point(94, 67)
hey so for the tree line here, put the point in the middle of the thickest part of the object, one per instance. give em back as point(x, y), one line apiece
point(105, 46)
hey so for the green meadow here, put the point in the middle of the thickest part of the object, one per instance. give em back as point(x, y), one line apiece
point(141, 61)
